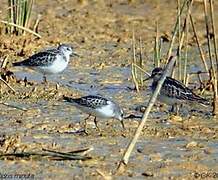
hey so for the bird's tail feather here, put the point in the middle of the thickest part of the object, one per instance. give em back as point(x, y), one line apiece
point(17, 64)
point(202, 100)
point(68, 99)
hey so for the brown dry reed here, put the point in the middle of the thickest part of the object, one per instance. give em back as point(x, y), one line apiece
point(182, 33)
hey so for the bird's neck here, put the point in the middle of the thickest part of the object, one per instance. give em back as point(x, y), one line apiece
point(154, 83)
point(66, 56)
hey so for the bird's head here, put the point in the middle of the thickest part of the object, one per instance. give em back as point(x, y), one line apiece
point(67, 49)
point(156, 74)
point(119, 115)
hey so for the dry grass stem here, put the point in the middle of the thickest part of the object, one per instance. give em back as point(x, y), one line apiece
point(14, 106)
point(21, 27)
point(125, 159)
point(141, 62)
point(148, 74)
point(8, 85)
point(157, 48)
point(215, 106)
point(175, 30)
point(199, 45)
point(133, 69)
point(212, 63)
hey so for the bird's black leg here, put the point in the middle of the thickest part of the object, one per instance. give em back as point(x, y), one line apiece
point(172, 109)
point(86, 122)
point(45, 79)
point(45, 82)
point(87, 118)
point(122, 123)
point(57, 86)
point(175, 109)
point(96, 123)
point(25, 81)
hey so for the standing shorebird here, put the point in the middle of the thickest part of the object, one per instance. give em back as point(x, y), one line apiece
point(51, 61)
point(174, 92)
point(97, 106)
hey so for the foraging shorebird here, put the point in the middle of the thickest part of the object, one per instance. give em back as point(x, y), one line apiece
point(51, 61)
point(174, 92)
point(97, 106)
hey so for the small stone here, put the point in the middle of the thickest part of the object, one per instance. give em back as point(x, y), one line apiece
point(206, 130)
point(191, 145)
point(174, 118)
point(155, 157)
point(147, 174)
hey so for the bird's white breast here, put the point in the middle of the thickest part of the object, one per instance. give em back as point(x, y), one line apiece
point(56, 67)
point(102, 112)
point(105, 111)
point(168, 100)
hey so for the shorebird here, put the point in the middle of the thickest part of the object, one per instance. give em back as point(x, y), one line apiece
point(174, 92)
point(51, 61)
point(97, 106)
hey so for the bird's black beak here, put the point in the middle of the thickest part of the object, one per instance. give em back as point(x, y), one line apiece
point(75, 54)
point(148, 78)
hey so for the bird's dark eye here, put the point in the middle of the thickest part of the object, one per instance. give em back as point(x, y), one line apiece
point(155, 74)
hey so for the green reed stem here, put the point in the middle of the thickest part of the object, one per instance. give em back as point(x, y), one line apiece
point(19, 12)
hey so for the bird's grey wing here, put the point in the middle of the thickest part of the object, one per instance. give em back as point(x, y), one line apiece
point(93, 101)
point(175, 89)
point(43, 58)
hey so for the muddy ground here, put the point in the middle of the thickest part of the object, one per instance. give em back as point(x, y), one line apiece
point(170, 147)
